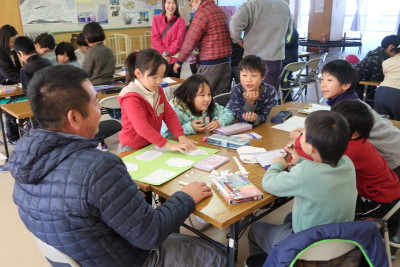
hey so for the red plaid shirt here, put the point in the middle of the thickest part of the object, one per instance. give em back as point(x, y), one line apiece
point(209, 30)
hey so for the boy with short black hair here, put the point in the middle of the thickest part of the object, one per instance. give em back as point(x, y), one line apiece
point(44, 43)
point(324, 189)
point(252, 100)
point(378, 186)
point(27, 53)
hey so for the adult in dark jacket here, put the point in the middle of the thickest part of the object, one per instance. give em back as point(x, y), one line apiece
point(81, 200)
point(9, 74)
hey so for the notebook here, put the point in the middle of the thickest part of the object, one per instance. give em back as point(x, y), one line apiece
point(265, 158)
point(313, 107)
point(211, 163)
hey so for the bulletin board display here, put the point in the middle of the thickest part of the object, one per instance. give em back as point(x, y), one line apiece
point(71, 15)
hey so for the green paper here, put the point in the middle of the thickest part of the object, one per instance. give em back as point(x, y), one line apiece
point(159, 167)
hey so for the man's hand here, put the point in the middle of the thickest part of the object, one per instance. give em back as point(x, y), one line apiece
point(240, 43)
point(251, 96)
point(250, 116)
point(198, 126)
point(176, 67)
point(189, 143)
point(197, 190)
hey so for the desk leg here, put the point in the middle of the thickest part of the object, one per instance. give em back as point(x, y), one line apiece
point(4, 134)
point(232, 241)
point(365, 92)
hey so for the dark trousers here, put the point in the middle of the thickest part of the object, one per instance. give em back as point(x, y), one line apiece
point(387, 102)
point(171, 73)
point(218, 76)
point(273, 73)
point(11, 126)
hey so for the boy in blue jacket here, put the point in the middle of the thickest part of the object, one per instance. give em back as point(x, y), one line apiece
point(324, 189)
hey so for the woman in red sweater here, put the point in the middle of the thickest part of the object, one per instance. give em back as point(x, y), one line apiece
point(378, 186)
point(144, 106)
point(168, 32)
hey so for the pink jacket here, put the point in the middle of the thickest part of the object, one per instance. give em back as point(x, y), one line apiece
point(172, 40)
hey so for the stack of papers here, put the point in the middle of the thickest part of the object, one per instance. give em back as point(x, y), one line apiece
point(291, 124)
point(313, 107)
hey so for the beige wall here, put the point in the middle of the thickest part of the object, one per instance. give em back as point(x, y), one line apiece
point(9, 14)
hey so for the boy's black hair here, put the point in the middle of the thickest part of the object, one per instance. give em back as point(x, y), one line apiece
point(55, 90)
point(65, 47)
point(253, 63)
point(390, 40)
point(93, 32)
point(358, 116)
point(343, 71)
point(24, 44)
point(187, 91)
point(144, 60)
point(329, 133)
point(81, 40)
point(6, 32)
point(46, 40)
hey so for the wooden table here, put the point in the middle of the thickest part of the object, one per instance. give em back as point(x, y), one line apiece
point(366, 84)
point(214, 209)
point(19, 92)
point(305, 55)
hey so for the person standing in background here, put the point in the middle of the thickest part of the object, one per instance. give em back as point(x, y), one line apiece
point(167, 34)
point(209, 31)
point(266, 24)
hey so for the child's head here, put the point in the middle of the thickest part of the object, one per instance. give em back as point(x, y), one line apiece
point(195, 93)
point(148, 66)
point(44, 43)
point(93, 33)
point(252, 71)
point(24, 47)
point(358, 116)
point(82, 44)
point(389, 43)
point(8, 34)
point(65, 53)
point(338, 76)
point(326, 133)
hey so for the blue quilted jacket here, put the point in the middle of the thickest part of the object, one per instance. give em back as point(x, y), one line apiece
point(83, 202)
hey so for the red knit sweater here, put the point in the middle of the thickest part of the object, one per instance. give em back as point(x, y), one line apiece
point(141, 123)
point(375, 180)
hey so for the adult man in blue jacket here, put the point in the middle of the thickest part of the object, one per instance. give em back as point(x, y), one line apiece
point(82, 201)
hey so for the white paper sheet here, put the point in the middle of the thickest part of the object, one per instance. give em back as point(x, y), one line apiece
point(148, 155)
point(168, 80)
point(178, 162)
point(291, 124)
point(197, 152)
point(159, 176)
point(131, 166)
point(265, 158)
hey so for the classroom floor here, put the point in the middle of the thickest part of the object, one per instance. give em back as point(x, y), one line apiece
point(17, 247)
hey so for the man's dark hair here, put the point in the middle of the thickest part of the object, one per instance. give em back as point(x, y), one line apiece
point(358, 116)
point(65, 47)
point(343, 71)
point(6, 32)
point(93, 32)
point(329, 133)
point(24, 44)
point(81, 40)
point(55, 90)
point(253, 63)
point(46, 40)
point(390, 40)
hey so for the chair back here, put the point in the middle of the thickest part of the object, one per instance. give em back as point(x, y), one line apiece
point(110, 102)
point(288, 82)
point(169, 91)
point(54, 254)
point(222, 99)
point(326, 251)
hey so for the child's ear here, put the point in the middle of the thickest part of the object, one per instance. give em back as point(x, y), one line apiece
point(346, 86)
point(138, 74)
point(355, 135)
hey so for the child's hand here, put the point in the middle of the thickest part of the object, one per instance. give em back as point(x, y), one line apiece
point(251, 96)
point(198, 126)
point(293, 155)
point(250, 116)
point(176, 147)
point(190, 144)
point(213, 125)
point(295, 134)
point(197, 190)
point(283, 161)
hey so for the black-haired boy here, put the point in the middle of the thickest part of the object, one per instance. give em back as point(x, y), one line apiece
point(44, 43)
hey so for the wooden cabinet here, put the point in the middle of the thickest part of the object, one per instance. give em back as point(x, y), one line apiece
point(10, 14)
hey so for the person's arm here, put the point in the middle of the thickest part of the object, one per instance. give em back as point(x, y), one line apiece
point(115, 198)
point(281, 183)
point(236, 103)
point(364, 68)
point(7, 69)
point(25, 78)
point(156, 32)
point(266, 106)
point(88, 62)
point(239, 22)
point(135, 110)
point(197, 29)
point(184, 120)
point(179, 29)
point(170, 117)
point(223, 115)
